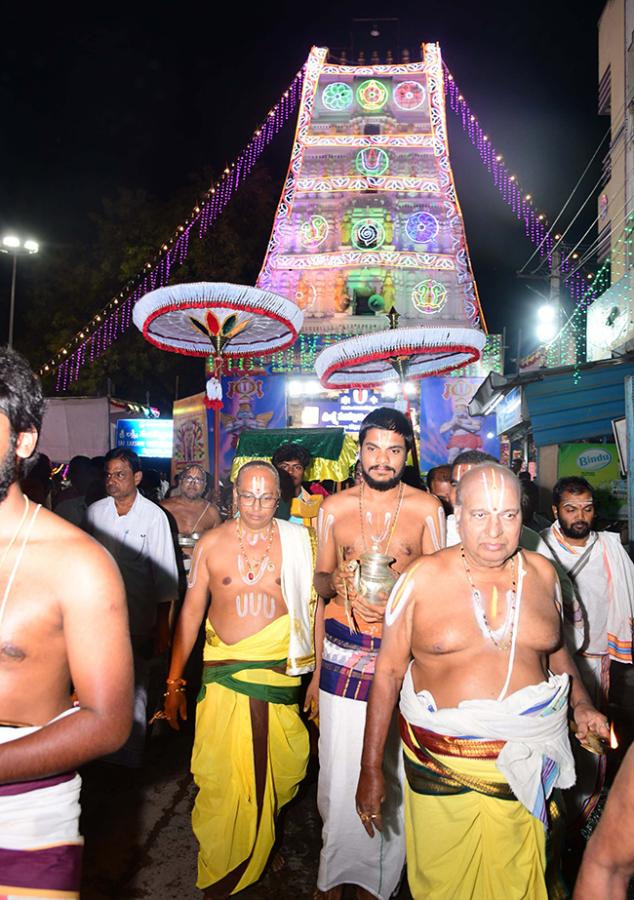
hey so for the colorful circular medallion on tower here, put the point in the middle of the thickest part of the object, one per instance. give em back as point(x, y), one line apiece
point(372, 95)
point(313, 232)
point(409, 95)
point(372, 161)
point(368, 234)
point(337, 96)
point(421, 227)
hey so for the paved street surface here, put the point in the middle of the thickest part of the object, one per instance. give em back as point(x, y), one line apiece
point(139, 842)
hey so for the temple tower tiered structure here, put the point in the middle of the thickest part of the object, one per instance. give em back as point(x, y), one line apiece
point(368, 220)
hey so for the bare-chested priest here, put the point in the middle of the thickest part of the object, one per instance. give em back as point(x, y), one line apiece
point(251, 747)
point(484, 706)
point(63, 619)
point(192, 513)
point(384, 515)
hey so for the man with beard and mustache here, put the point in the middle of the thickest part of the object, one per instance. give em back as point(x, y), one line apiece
point(63, 621)
point(603, 577)
point(383, 515)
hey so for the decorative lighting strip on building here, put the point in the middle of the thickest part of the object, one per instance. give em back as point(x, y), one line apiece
point(569, 347)
point(105, 327)
point(352, 258)
point(300, 358)
point(356, 183)
point(369, 140)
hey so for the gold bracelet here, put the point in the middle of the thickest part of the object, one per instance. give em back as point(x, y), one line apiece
point(175, 681)
point(179, 690)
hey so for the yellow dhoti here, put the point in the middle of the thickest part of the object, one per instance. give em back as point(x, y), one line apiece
point(467, 838)
point(250, 754)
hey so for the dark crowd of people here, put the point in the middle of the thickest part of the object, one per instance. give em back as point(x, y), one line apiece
point(466, 661)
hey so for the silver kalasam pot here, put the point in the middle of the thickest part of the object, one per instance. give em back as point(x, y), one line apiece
point(374, 577)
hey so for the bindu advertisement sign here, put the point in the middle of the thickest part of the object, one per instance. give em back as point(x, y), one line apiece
point(599, 465)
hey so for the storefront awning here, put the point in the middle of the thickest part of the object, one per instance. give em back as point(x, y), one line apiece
point(573, 406)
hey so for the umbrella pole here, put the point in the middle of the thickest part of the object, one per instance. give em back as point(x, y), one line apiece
point(216, 472)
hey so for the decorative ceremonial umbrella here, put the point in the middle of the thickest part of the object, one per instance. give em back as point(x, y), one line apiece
point(219, 321)
point(373, 360)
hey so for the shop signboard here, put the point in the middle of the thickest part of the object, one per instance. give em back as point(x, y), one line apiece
point(508, 412)
point(446, 427)
point(147, 437)
point(599, 465)
point(348, 411)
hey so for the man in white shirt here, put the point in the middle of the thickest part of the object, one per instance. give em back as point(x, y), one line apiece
point(137, 534)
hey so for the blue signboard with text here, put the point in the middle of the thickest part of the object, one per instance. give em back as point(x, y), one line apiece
point(147, 437)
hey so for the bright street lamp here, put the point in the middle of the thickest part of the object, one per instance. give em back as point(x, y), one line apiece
point(15, 246)
point(547, 313)
point(548, 322)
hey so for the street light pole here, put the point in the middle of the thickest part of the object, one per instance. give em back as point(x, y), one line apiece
point(12, 301)
point(14, 246)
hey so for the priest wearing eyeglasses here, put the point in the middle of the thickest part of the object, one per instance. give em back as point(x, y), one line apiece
point(192, 513)
point(252, 578)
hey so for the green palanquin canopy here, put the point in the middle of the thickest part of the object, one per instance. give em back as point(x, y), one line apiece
point(333, 451)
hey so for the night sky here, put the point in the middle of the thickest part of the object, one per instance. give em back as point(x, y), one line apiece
point(143, 96)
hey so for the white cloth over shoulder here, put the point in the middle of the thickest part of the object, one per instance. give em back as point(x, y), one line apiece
point(297, 590)
point(619, 577)
point(533, 721)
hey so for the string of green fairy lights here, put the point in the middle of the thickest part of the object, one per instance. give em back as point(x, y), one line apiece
point(569, 347)
point(300, 358)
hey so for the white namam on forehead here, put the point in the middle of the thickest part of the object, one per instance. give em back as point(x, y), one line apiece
point(255, 482)
point(496, 488)
point(384, 439)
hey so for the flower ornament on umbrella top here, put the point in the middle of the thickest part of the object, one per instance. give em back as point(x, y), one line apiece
point(217, 320)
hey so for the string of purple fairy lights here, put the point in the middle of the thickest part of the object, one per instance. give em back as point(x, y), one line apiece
point(116, 319)
point(519, 202)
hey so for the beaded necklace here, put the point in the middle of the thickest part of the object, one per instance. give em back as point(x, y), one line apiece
point(498, 636)
point(253, 572)
point(399, 501)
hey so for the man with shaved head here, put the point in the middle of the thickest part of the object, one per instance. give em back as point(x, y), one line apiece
point(192, 513)
point(251, 747)
point(484, 705)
